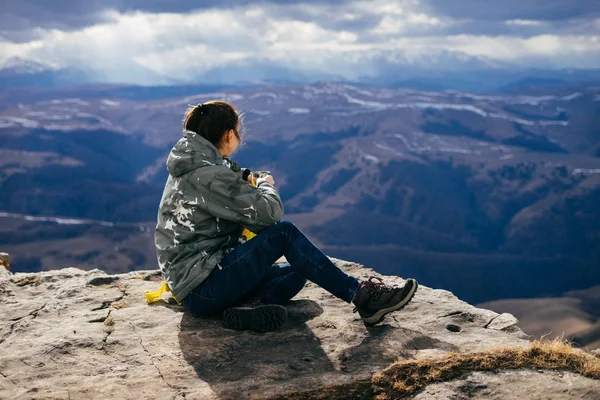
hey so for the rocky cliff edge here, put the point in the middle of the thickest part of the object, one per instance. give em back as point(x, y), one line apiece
point(74, 334)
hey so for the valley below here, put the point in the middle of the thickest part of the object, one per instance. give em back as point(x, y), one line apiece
point(493, 197)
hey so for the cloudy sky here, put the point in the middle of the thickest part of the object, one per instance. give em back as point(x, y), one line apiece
point(184, 38)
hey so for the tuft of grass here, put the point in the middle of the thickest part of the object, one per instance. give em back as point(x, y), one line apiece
point(408, 377)
point(117, 305)
point(26, 280)
point(109, 321)
point(404, 378)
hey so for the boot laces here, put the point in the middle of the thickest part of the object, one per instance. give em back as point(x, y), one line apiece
point(375, 289)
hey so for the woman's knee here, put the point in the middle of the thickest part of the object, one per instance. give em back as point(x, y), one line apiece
point(302, 283)
point(289, 226)
point(295, 283)
point(281, 290)
point(296, 280)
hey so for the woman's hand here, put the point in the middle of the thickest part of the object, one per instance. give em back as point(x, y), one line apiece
point(268, 178)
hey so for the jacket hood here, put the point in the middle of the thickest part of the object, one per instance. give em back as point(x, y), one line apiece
point(191, 152)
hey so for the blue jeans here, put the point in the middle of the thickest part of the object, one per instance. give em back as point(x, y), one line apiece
point(249, 271)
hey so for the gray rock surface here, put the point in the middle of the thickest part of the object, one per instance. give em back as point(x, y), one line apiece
point(518, 384)
point(74, 334)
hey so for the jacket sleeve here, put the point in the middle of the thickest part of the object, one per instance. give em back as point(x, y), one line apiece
point(255, 208)
point(235, 167)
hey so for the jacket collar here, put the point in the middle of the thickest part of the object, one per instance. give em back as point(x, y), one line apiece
point(209, 149)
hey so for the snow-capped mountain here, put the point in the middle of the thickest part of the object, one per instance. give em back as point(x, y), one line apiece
point(20, 72)
point(414, 69)
point(21, 66)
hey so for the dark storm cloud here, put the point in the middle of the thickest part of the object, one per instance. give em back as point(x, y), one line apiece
point(18, 15)
point(470, 17)
point(515, 27)
point(330, 15)
point(20, 18)
point(545, 10)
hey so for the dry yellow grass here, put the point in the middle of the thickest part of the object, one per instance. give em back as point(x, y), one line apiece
point(26, 280)
point(117, 305)
point(4, 261)
point(122, 287)
point(405, 378)
point(408, 377)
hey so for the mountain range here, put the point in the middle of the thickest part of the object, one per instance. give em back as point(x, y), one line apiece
point(492, 196)
point(431, 70)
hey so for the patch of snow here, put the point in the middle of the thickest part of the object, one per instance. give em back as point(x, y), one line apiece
point(586, 171)
point(506, 157)
point(111, 103)
point(385, 94)
point(531, 100)
point(260, 112)
point(388, 148)
point(68, 101)
point(402, 138)
point(297, 110)
point(482, 97)
point(58, 220)
point(92, 116)
point(58, 127)
point(26, 123)
point(35, 113)
point(55, 117)
point(347, 113)
point(22, 66)
point(502, 149)
point(425, 99)
point(446, 106)
point(64, 109)
point(372, 158)
point(408, 145)
point(376, 105)
point(536, 100)
point(512, 119)
point(548, 123)
point(455, 150)
point(359, 90)
point(264, 94)
point(571, 96)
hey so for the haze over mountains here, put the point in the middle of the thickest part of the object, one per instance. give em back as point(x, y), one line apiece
point(431, 70)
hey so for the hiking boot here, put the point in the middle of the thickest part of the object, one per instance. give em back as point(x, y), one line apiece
point(256, 317)
point(375, 299)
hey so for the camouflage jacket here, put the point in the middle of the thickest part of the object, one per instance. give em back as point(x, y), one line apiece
point(204, 208)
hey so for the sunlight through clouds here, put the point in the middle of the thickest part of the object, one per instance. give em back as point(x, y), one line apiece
point(318, 37)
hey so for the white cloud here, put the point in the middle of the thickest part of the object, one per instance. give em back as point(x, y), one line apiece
point(423, 19)
point(523, 22)
point(556, 49)
point(314, 37)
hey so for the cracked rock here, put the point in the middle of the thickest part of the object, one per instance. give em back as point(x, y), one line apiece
point(502, 322)
point(83, 343)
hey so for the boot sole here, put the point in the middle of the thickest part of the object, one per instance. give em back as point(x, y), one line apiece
point(264, 318)
point(380, 315)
